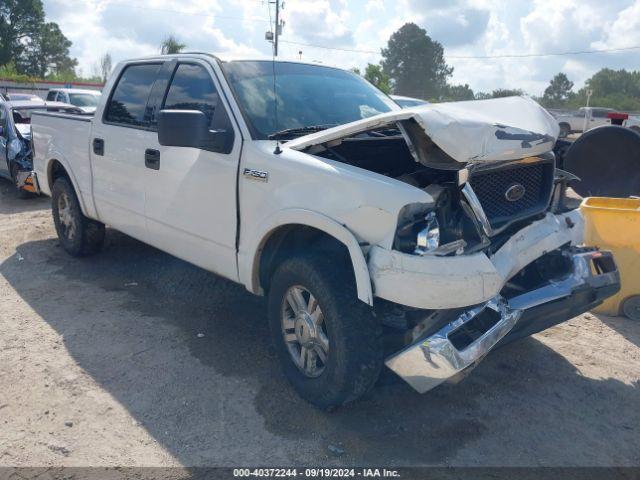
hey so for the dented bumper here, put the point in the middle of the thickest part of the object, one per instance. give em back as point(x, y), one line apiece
point(432, 282)
point(463, 342)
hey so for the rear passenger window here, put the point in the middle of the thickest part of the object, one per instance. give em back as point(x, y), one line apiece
point(192, 89)
point(129, 99)
point(51, 96)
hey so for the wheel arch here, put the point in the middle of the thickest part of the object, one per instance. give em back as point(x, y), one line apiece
point(299, 228)
point(55, 168)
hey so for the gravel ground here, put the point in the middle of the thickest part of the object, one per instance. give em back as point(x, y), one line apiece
point(134, 358)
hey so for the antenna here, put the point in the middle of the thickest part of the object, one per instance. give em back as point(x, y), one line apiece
point(274, 54)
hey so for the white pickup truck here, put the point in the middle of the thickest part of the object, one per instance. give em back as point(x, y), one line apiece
point(585, 119)
point(419, 238)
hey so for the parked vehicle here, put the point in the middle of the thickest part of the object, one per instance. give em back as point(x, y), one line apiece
point(632, 122)
point(585, 119)
point(408, 101)
point(15, 97)
point(15, 139)
point(417, 238)
point(86, 100)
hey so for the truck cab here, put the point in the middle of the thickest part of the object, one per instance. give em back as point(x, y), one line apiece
point(418, 239)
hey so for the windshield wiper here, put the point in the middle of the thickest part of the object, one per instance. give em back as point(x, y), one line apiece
point(294, 132)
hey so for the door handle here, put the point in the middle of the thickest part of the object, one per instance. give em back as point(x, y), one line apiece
point(98, 146)
point(152, 159)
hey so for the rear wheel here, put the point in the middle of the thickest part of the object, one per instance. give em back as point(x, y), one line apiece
point(327, 340)
point(78, 234)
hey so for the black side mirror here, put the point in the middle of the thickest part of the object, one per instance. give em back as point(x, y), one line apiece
point(190, 128)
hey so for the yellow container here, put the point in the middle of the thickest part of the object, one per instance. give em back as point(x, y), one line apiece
point(614, 224)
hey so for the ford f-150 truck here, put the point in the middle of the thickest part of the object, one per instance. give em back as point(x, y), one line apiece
point(416, 238)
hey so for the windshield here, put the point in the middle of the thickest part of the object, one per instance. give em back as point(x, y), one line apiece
point(83, 99)
point(308, 95)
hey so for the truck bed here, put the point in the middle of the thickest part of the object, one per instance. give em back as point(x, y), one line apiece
point(64, 137)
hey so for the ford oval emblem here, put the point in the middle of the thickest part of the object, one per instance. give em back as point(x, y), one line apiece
point(515, 192)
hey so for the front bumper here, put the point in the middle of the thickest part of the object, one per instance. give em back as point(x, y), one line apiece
point(436, 283)
point(463, 342)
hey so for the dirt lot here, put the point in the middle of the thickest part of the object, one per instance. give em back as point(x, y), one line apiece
point(102, 363)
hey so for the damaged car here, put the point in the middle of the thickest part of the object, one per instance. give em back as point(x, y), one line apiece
point(419, 239)
point(16, 151)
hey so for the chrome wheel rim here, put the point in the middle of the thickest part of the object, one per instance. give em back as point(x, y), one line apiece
point(304, 331)
point(67, 222)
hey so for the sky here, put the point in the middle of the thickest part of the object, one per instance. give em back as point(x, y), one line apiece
point(465, 28)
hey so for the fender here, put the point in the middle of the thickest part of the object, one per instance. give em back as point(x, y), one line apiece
point(249, 257)
point(88, 209)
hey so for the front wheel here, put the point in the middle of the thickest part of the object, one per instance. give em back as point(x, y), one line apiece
point(78, 234)
point(327, 340)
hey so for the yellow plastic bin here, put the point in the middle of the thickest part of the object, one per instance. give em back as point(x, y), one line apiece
point(614, 224)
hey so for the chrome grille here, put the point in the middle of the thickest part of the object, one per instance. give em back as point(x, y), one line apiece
point(491, 185)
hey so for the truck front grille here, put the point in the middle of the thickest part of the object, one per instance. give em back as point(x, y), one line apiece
point(491, 186)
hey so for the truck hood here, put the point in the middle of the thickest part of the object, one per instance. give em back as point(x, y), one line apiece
point(469, 132)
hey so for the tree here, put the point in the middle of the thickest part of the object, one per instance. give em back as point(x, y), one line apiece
point(415, 63)
point(20, 20)
point(105, 66)
point(455, 93)
point(507, 92)
point(374, 74)
point(36, 47)
point(558, 92)
point(171, 45)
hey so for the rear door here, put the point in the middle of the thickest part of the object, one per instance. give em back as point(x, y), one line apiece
point(117, 148)
point(191, 193)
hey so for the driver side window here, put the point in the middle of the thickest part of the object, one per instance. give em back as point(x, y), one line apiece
point(192, 89)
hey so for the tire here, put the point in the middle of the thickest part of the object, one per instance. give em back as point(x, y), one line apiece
point(631, 308)
point(78, 235)
point(14, 177)
point(565, 130)
point(354, 356)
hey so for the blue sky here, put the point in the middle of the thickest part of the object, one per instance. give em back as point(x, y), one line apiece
point(131, 28)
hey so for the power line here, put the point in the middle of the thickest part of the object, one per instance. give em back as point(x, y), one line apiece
point(514, 55)
point(195, 14)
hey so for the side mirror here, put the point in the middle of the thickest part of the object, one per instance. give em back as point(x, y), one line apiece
point(190, 128)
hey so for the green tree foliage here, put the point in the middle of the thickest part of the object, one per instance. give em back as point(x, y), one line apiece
point(559, 91)
point(619, 89)
point(36, 48)
point(415, 63)
point(171, 45)
point(376, 76)
point(507, 92)
point(456, 93)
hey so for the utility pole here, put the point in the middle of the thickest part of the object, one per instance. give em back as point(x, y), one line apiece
point(277, 32)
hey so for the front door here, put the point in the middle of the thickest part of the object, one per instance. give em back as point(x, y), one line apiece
point(191, 193)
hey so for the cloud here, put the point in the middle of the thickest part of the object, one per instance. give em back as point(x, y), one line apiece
point(453, 23)
point(320, 22)
point(464, 27)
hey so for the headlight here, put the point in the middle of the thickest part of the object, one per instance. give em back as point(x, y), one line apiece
point(420, 235)
point(429, 237)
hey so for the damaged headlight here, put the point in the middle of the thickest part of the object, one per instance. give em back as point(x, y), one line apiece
point(428, 238)
point(420, 235)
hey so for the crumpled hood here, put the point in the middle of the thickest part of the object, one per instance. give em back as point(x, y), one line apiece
point(474, 131)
